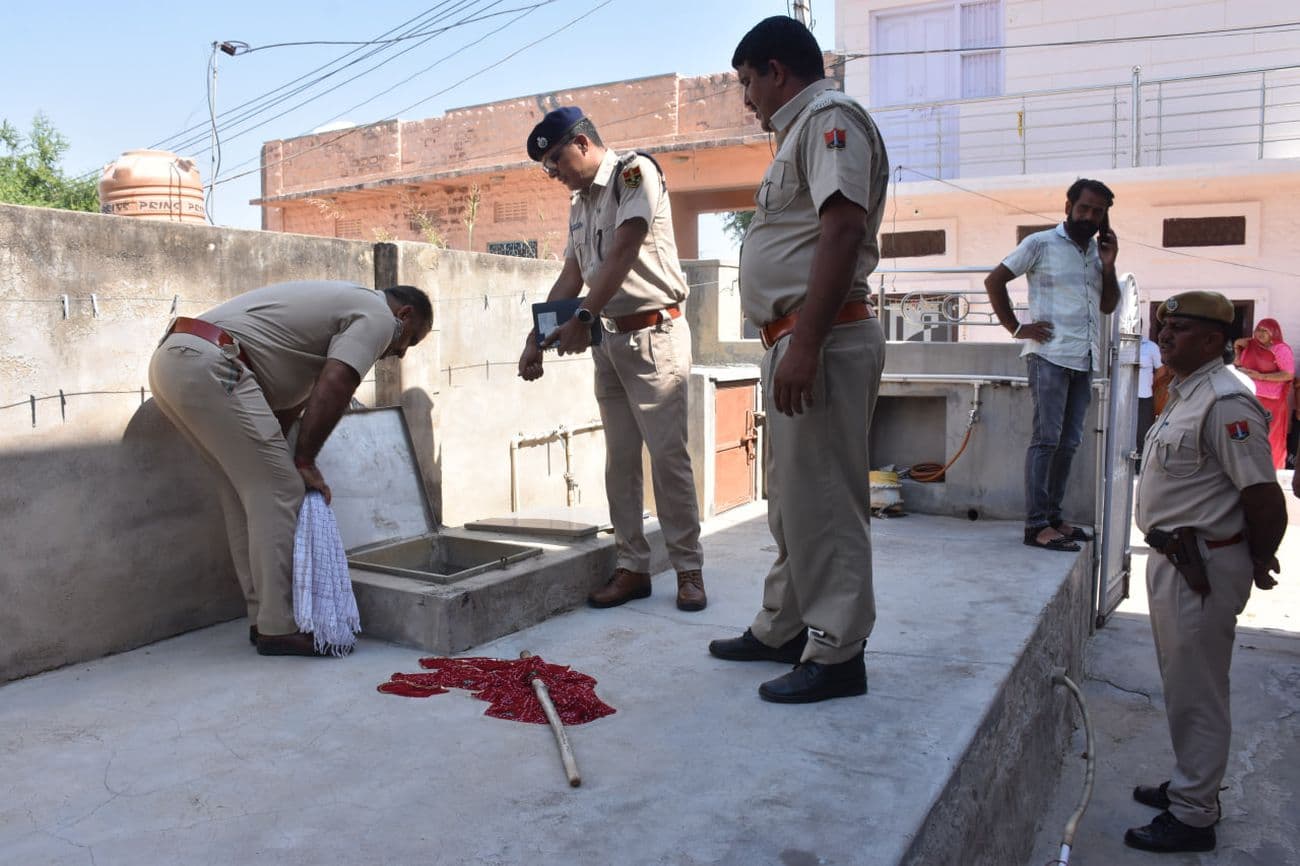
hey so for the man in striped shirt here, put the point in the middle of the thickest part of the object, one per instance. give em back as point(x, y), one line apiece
point(1072, 283)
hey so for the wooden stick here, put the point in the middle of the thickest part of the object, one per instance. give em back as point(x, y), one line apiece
point(557, 727)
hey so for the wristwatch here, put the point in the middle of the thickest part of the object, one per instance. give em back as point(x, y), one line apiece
point(584, 315)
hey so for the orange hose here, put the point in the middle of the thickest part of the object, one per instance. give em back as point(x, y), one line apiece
point(935, 472)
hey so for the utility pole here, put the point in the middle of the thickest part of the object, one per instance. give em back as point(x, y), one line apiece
point(803, 12)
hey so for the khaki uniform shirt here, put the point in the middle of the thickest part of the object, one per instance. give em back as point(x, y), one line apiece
point(289, 330)
point(627, 187)
point(1209, 444)
point(826, 144)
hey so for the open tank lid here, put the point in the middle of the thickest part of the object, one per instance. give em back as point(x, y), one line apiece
point(369, 464)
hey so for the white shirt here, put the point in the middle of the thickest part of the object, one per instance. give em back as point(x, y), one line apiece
point(1148, 363)
point(1064, 289)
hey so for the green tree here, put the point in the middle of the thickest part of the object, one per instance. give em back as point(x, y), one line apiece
point(30, 173)
point(736, 223)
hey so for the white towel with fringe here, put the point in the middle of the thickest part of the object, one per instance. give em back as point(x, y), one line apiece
point(323, 603)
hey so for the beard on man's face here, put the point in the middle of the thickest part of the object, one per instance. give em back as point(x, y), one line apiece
point(1081, 228)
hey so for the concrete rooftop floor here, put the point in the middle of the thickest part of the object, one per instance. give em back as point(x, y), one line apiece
point(196, 750)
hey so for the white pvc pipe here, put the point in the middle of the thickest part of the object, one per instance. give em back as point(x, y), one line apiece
point(561, 432)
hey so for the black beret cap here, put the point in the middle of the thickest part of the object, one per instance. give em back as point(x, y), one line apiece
point(554, 126)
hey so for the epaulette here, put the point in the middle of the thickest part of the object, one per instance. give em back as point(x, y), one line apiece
point(627, 159)
point(1226, 385)
point(838, 99)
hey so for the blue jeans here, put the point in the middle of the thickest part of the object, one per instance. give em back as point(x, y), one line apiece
point(1061, 398)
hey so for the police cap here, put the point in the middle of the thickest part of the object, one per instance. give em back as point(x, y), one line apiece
point(1208, 306)
point(554, 126)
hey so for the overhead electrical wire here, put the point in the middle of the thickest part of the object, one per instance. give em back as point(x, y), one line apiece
point(452, 86)
point(424, 19)
point(249, 49)
point(334, 86)
point(526, 11)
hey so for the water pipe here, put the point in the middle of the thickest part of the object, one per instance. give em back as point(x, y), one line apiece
point(1067, 839)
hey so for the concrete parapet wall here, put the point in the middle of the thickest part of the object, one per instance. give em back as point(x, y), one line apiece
point(919, 419)
point(111, 536)
point(987, 813)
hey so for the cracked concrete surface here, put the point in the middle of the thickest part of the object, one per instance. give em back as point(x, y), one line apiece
point(195, 750)
point(1123, 693)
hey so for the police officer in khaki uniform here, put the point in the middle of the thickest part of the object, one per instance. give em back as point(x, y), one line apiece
point(235, 379)
point(621, 246)
point(1207, 494)
point(803, 278)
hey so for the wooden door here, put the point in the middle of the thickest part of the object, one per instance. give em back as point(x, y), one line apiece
point(735, 445)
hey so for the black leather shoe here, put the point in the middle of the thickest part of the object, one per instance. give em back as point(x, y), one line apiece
point(813, 681)
point(252, 635)
point(1155, 796)
point(1166, 835)
point(748, 648)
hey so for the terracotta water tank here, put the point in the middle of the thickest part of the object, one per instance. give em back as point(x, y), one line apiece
point(152, 184)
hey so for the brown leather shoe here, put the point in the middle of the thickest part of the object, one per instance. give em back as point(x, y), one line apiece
point(690, 590)
point(623, 586)
point(297, 644)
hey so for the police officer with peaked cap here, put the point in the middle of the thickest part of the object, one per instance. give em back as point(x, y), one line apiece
point(1208, 480)
point(621, 246)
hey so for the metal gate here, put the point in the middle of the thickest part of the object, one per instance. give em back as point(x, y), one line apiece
point(1118, 418)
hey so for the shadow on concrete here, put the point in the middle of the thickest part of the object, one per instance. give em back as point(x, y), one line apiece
point(108, 546)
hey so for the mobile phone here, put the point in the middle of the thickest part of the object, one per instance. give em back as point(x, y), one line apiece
point(1103, 228)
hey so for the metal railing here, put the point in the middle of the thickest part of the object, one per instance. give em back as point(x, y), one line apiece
point(1242, 115)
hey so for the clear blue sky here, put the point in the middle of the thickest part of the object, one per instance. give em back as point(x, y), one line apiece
point(126, 74)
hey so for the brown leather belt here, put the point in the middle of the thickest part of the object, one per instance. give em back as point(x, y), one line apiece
point(637, 321)
point(1227, 542)
point(205, 331)
point(853, 311)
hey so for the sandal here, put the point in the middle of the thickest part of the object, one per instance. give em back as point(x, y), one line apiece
point(1060, 542)
point(1077, 533)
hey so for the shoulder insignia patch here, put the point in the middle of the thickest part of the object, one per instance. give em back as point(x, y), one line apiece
point(836, 139)
point(1238, 431)
point(632, 176)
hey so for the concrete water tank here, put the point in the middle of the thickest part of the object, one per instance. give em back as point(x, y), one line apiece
point(152, 184)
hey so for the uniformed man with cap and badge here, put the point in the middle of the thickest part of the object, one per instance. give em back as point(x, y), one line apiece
point(804, 270)
point(621, 246)
point(1213, 514)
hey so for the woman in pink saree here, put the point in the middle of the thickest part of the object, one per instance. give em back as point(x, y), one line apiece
point(1268, 360)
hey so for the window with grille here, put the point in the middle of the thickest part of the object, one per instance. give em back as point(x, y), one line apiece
point(981, 27)
point(1023, 232)
point(904, 245)
point(519, 249)
point(1226, 231)
point(347, 229)
point(509, 211)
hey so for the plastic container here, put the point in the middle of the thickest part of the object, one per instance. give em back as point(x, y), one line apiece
point(152, 184)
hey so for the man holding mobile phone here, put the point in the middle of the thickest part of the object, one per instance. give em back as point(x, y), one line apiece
point(1072, 283)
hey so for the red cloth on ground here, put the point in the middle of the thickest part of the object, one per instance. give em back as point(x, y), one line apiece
point(507, 686)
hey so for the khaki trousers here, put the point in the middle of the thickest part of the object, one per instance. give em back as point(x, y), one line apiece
point(818, 500)
point(1194, 637)
point(218, 406)
point(641, 385)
